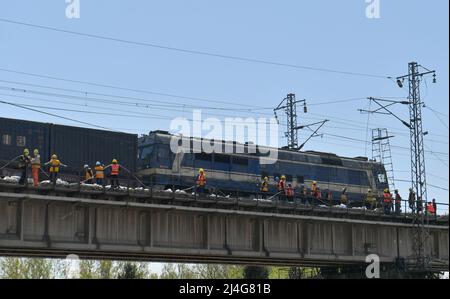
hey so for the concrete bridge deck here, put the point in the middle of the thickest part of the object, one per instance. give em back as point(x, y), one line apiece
point(175, 227)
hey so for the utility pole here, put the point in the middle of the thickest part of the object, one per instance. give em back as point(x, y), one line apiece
point(417, 151)
point(289, 105)
point(418, 175)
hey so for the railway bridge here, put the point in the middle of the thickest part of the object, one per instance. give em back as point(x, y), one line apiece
point(167, 226)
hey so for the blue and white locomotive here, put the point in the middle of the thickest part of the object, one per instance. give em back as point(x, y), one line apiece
point(241, 171)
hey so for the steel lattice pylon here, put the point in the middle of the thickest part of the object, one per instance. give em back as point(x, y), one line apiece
point(418, 178)
point(381, 152)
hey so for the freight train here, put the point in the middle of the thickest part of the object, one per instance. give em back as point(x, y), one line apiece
point(150, 157)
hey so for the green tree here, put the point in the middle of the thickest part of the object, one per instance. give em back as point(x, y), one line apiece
point(26, 268)
point(130, 270)
point(214, 271)
point(178, 271)
point(256, 272)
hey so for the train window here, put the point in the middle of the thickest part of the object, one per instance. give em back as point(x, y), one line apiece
point(21, 140)
point(6, 139)
point(146, 152)
point(300, 179)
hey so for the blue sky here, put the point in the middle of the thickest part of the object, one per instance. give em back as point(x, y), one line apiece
point(322, 34)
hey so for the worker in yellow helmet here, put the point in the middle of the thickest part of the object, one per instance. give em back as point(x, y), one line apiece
point(370, 200)
point(265, 187)
point(24, 162)
point(35, 167)
point(281, 186)
point(55, 165)
point(114, 174)
point(200, 181)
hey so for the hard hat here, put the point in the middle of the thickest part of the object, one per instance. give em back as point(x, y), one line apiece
point(277, 178)
point(26, 151)
point(314, 182)
point(86, 166)
point(369, 190)
point(114, 161)
point(201, 170)
point(396, 190)
point(386, 190)
point(266, 178)
point(36, 151)
point(98, 163)
point(54, 156)
point(411, 189)
point(283, 177)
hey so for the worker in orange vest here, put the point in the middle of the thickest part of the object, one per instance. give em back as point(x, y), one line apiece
point(398, 203)
point(55, 165)
point(387, 201)
point(430, 208)
point(99, 173)
point(281, 186)
point(35, 167)
point(200, 181)
point(114, 174)
point(290, 193)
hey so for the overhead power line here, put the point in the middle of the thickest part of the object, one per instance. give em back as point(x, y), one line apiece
point(54, 115)
point(196, 52)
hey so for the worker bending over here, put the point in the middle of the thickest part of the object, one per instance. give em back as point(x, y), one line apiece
point(88, 175)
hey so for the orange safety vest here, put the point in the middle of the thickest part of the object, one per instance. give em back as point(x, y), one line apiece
point(398, 200)
point(115, 168)
point(387, 198)
point(430, 208)
point(54, 165)
point(99, 172)
point(290, 192)
point(201, 179)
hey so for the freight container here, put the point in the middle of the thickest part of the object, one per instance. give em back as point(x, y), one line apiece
point(74, 146)
point(78, 146)
point(16, 135)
